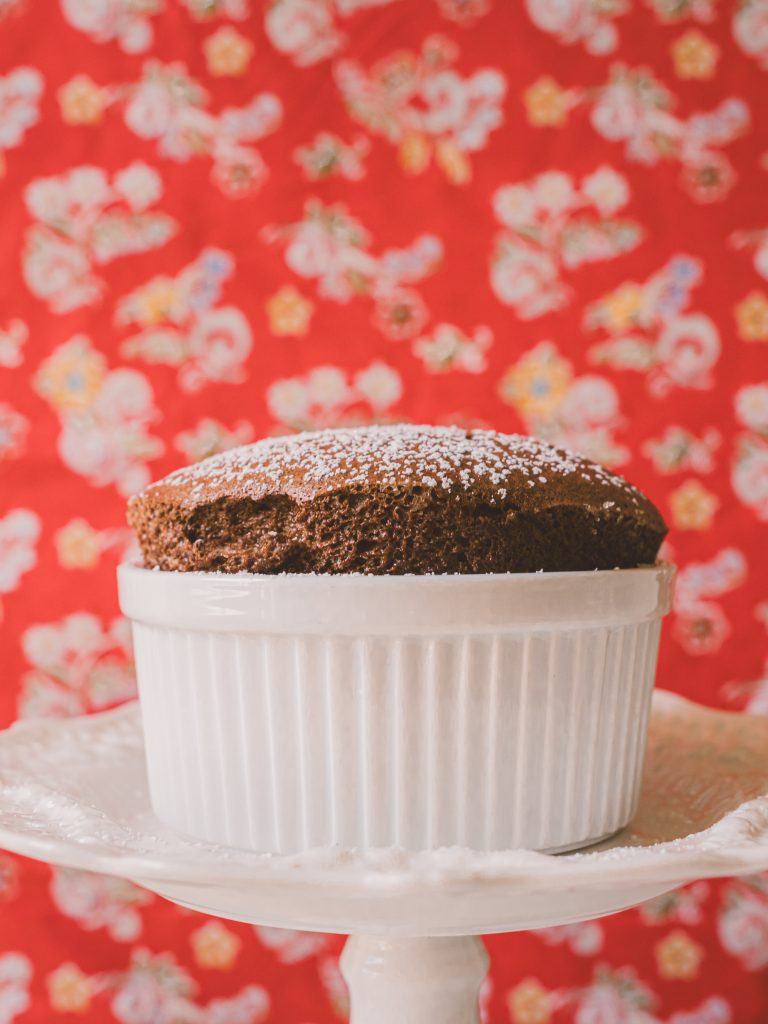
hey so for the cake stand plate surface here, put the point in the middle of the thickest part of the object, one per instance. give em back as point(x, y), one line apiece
point(74, 793)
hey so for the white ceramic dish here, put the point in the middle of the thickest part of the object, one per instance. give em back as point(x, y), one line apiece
point(74, 792)
point(283, 713)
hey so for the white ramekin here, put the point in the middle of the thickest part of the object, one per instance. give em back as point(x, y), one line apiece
point(288, 712)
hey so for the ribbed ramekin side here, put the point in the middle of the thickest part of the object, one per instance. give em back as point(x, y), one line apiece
point(490, 740)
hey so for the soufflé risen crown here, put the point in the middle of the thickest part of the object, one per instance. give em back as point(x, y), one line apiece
point(394, 500)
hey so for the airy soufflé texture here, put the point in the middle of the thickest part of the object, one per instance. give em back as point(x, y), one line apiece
point(395, 499)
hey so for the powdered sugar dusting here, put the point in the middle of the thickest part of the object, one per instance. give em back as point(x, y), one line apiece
point(445, 458)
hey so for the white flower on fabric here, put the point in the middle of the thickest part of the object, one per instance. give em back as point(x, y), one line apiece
point(380, 385)
point(604, 38)
point(250, 123)
point(78, 665)
point(47, 645)
point(124, 396)
point(249, 1006)
point(149, 112)
point(333, 248)
point(326, 396)
point(15, 980)
point(13, 338)
point(749, 475)
point(14, 429)
point(288, 400)
point(98, 901)
point(59, 272)
point(617, 113)
point(121, 20)
point(47, 199)
point(19, 533)
point(83, 220)
point(20, 93)
point(311, 251)
point(590, 402)
point(607, 189)
point(88, 187)
point(220, 340)
point(585, 938)
point(485, 91)
point(139, 184)
point(561, 16)
point(751, 405)
point(514, 205)
point(448, 347)
point(743, 925)
point(527, 279)
point(289, 945)
point(446, 100)
point(43, 645)
point(553, 191)
point(467, 109)
point(688, 348)
point(327, 386)
point(750, 29)
point(303, 30)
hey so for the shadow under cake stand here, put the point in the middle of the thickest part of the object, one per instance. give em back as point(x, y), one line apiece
point(74, 793)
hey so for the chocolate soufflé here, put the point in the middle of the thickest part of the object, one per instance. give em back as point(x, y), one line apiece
point(387, 500)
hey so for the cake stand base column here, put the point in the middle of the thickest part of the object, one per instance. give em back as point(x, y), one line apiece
point(414, 981)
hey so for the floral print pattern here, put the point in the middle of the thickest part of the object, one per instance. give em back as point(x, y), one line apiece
point(419, 103)
point(15, 978)
point(750, 29)
point(326, 395)
point(330, 246)
point(13, 338)
point(125, 21)
point(749, 470)
point(587, 21)
point(19, 534)
point(743, 924)
point(20, 95)
point(225, 219)
point(555, 225)
point(636, 109)
point(98, 901)
point(448, 348)
point(155, 988)
point(308, 31)
point(581, 413)
point(183, 325)
point(104, 414)
point(78, 665)
point(701, 625)
point(650, 330)
point(13, 432)
point(82, 220)
point(168, 106)
point(327, 155)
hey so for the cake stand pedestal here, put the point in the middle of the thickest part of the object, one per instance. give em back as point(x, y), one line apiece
point(74, 793)
point(414, 981)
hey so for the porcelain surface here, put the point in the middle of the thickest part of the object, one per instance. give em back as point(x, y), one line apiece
point(75, 793)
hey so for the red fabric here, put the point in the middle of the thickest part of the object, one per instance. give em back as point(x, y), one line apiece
point(546, 216)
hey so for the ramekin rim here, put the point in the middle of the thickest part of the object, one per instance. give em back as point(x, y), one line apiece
point(667, 568)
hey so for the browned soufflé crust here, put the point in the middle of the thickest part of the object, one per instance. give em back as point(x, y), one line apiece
point(392, 500)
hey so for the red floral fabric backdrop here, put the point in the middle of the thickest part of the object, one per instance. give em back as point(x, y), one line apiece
point(224, 218)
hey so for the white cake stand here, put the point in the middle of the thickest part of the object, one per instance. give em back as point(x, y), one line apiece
point(74, 793)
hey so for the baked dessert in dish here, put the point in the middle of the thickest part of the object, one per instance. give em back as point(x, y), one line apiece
point(395, 636)
point(389, 500)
